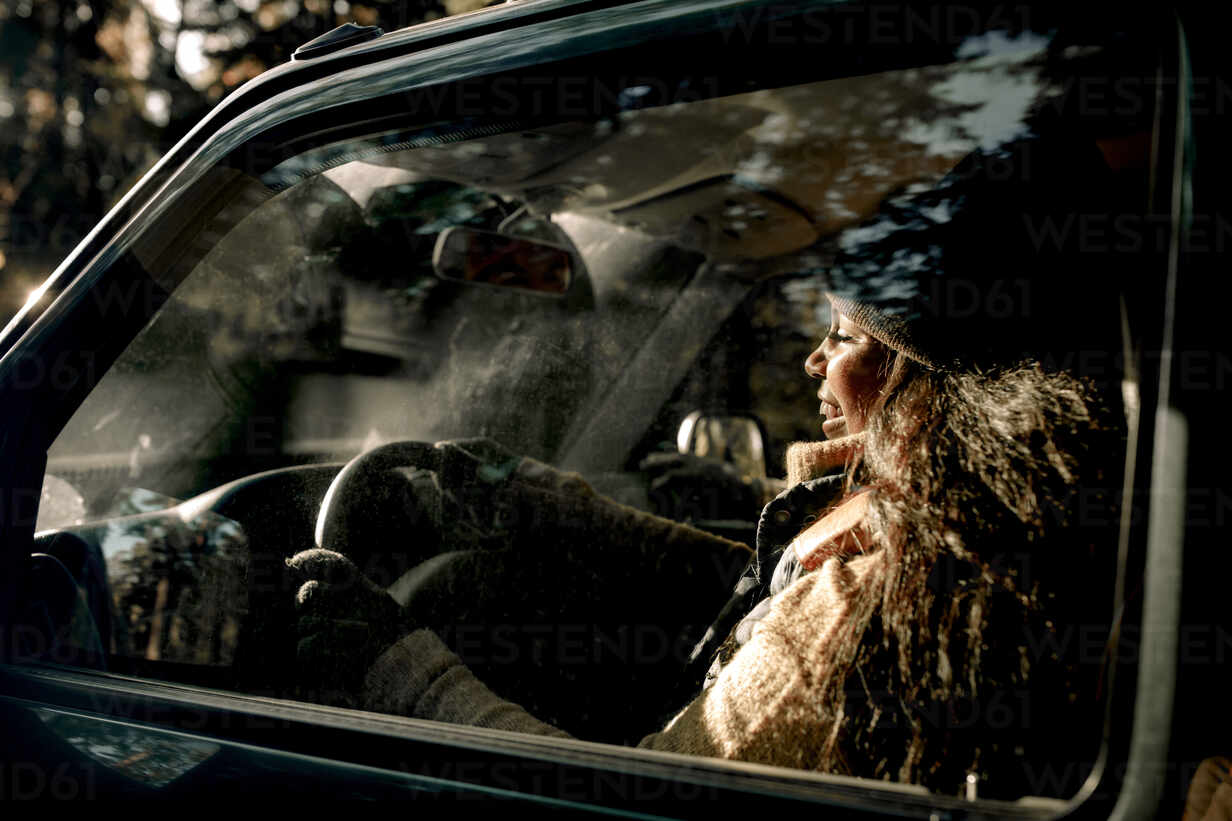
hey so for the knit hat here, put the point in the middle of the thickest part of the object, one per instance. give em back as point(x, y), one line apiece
point(1001, 262)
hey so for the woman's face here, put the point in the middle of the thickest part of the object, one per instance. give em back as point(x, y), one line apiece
point(852, 367)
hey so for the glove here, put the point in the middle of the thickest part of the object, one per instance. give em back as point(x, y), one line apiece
point(344, 623)
point(489, 497)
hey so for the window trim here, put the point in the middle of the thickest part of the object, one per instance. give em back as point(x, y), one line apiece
point(1143, 782)
point(279, 726)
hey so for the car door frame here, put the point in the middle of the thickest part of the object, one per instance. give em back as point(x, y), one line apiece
point(42, 338)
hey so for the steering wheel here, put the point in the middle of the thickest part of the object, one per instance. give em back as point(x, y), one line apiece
point(372, 515)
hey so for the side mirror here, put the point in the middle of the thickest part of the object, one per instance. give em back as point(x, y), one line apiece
point(737, 439)
point(491, 258)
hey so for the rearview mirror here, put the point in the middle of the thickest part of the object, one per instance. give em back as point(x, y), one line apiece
point(490, 258)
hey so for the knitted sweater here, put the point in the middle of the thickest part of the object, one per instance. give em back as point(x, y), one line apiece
point(762, 707)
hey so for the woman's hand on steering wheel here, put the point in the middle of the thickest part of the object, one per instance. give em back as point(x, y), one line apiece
point(408, 501)
point(344, 623)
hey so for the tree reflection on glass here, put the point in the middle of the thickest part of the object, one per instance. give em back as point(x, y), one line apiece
point(179, 587)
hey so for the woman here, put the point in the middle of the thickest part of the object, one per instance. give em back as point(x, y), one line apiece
point(877, 662)
point(912, 629)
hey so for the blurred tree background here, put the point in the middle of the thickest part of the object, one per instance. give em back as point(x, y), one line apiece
point(92, 92)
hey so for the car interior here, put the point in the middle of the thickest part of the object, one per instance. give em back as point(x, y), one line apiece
point(313, 348)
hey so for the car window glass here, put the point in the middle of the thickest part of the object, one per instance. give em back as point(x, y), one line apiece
point(704, 238)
